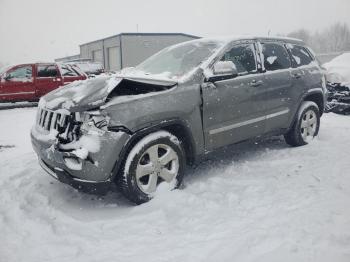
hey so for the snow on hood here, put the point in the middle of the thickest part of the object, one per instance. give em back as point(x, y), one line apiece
point(338, 70)
point(91, 93)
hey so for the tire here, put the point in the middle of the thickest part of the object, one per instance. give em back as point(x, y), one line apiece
point(306, 125)
point(158, 157)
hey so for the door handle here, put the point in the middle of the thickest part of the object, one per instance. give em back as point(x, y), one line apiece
point(256, 83)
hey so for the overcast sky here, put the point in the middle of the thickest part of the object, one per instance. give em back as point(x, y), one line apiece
point(41, 30)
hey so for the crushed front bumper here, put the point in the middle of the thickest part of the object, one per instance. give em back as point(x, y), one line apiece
point(80, 184)
point(96, 172)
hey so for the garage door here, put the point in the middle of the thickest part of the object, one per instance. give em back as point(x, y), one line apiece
point(113, 58)
point(97, 56)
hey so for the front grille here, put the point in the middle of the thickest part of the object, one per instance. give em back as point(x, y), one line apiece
point(51, 120)
point(67, 124)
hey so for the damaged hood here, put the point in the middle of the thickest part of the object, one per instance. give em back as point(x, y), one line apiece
point(92, 93)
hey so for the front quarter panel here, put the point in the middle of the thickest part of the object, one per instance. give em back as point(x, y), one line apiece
point(182, 102)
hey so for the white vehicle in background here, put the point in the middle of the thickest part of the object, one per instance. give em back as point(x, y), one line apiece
point(87, 66)
point(338, 84)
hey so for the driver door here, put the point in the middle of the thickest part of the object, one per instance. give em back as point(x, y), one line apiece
point(233, 109)
point(18, 84)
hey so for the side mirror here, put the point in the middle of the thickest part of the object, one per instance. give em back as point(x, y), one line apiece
point(223, 70)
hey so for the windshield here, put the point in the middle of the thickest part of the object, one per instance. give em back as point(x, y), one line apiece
point(176, 61)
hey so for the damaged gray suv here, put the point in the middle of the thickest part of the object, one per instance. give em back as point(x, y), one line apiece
point(140, 128)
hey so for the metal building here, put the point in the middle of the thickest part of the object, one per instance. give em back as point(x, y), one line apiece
point(129, 49)
point(68, 58)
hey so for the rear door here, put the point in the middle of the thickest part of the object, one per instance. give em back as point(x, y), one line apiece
point(306, 72)
point(233, 109)
point(279, 94)
point(47, 79)
point(17, 84)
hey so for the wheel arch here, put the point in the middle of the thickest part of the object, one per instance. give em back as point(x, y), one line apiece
point(317, 97)
point(176, 127)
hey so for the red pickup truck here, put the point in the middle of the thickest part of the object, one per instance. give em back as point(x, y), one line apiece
point(28, 82)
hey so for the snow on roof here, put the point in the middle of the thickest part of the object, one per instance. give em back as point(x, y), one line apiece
point(338, 69)
point(246, 37)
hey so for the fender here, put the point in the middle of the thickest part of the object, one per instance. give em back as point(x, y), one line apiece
point(304, 97)
point(316, 91)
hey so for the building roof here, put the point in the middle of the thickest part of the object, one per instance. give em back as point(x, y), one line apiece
point(143, 34)
point(67, 57)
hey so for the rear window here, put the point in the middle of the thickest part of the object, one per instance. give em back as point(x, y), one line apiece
point(300, 55)
point(47, 71)
point(276, 56)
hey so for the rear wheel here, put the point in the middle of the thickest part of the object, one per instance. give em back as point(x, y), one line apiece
point(157, 158)
point(306, 125)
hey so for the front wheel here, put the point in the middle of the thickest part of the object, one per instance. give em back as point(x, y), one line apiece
point(306, 125)
point(157, 158)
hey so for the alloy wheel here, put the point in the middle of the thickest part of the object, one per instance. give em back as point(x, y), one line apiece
point(159, 163)
point(308, 125)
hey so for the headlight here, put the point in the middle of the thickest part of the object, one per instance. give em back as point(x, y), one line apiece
point(95, 119)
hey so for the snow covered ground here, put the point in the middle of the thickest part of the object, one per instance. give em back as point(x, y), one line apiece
point(256, 201)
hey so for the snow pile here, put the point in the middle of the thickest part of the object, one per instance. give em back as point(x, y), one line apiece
point(338, 70)
point(82, 147)
point(256, 201)
point(46, 137)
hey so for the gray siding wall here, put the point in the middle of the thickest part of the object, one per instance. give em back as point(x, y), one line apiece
point(136, 49)
point(87, 50)
point(128, 50)
point(113, 42)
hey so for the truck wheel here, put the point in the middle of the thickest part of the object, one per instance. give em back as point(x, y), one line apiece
point(306, 125)
point(156, 158)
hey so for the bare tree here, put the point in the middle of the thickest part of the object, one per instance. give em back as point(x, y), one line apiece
point(335, 38)
point(302, 34)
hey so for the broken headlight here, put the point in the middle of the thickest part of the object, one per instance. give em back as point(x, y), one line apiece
point(96, 119)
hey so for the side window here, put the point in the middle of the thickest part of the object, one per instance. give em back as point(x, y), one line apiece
point(300, 56)
point(20, 74)
point(68, 71)
point(275, 57)
point(243, 56)
point(47, 71)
